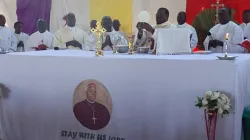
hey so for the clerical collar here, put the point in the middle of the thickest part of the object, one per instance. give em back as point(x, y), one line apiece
point(183, 25)
point(163, 25)
point(71, 28)
point(226, 23)
point(90, 101)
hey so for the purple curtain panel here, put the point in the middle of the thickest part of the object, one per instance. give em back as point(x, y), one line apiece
point(29, 11)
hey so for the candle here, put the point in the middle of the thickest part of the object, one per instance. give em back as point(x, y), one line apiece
point(227, 36)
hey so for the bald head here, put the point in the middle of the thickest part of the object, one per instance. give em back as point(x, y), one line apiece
point(116, 24)
point(107, 23)
point(41, 26)
point(93, 24)
point(71, 20)
point(224, 15)
point(162, 15)
point(2, 20)
point(181, 18)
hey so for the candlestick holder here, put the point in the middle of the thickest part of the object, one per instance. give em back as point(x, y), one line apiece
point(99, 31)
point(226, 57)
point(130, 45)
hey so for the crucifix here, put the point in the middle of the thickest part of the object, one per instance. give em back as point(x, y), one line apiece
point(98, 31)
point(94, 119)
point(217, 6)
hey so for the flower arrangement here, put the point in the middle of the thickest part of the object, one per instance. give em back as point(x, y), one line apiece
point(214, 101)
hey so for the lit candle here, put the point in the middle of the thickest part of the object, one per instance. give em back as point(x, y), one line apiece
point(227, 36)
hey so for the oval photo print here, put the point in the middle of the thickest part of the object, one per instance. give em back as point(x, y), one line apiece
point(92, 104)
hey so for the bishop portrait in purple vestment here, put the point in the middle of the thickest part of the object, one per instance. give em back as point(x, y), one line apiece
point(90, 113)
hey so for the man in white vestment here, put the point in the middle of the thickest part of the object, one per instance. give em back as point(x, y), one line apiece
point(70, 36)
point(21, 37)
point(146, 35)
point(116, 26)
point(247, 32)
point(8, 40)
point(181, 19)
point(111, 38)
point(245, 19)
point(40, 40)
point(92, 38)
point(216, 42)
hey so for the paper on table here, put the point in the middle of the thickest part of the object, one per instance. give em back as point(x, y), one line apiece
point(144, 16)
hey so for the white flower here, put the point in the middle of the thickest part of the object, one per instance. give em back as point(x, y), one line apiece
point(226, 107)
point(220, 111)
point(223, 100)
point(208, 95)
point(215, 95)
point(204, 102)
point(225, 97)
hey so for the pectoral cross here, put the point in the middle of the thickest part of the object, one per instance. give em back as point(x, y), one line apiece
point(98, 31)
point(94, 119)
point(217, 6)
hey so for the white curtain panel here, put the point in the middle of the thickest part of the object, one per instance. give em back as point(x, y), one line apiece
point(60, 7)
point(8, 9)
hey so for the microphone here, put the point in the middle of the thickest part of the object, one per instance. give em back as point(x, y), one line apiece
point(210, 35)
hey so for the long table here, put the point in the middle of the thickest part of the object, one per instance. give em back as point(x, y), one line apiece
point(148, 97)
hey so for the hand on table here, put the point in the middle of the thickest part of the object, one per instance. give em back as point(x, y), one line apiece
point(74, 43)
point(20, 44)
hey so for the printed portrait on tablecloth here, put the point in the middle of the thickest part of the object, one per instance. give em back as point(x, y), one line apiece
point(92, 104)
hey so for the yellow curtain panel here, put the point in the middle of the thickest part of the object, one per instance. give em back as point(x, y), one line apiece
point(116, 9)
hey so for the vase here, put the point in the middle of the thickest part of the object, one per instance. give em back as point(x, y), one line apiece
point(211, 121)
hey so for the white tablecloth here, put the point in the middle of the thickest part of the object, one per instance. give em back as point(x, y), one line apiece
point(153, 96)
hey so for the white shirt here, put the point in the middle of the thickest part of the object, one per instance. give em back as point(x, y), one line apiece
point(38, 38)
point(116, 39)
point(247, 31)
point(21, 37)
point(7, 39)
point(243, 25)
point(219, 32)
point(194, 38)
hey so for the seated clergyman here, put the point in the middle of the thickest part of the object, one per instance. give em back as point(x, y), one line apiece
point(70, 36)
point(8, 40)
point(181, 19)
point(116, 26)
point(42, 39)
point(215, 42)
point(111, 38)
point(92, 38)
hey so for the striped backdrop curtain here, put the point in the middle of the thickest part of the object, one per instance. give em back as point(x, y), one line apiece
point(124, 10)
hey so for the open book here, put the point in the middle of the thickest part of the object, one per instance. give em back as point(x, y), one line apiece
point(245, 44)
